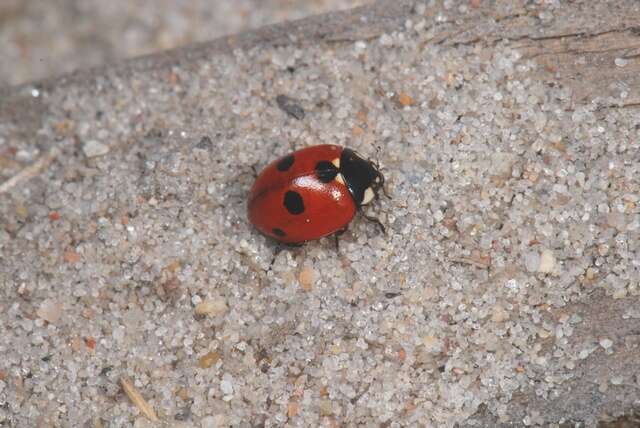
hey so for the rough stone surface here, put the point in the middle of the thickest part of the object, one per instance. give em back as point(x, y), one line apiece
point(44, 38)
point(505, 291)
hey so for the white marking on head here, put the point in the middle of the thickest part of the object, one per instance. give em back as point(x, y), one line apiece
point(336, 162)
point(340, 179)
point(368, 196)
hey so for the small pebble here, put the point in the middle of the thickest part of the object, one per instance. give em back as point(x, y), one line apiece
point(325, 408)
point(616, 380)
point(431, 343)
point(290, 106)
point(631, 313)
point(606, 343)
point(90, 342)
point(547, 261)
point(50, 311)
point(217, 421)
point(405, 100)
point(93, 148)
point(212, 307)
point(208, 359)
point(72, 257)
point(621, 62)
point(584, 354)
point(499, 314)
point(142, 422)
point(532, 261)
point(226, 387)
point(306, 278)
point(293, 409)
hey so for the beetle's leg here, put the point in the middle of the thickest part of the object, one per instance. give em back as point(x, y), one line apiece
point(337, 235)
point(382, 186)
point(376, 221)
point(280, 246)
point(277, 250)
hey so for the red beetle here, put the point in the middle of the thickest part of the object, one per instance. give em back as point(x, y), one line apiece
point(313, 192)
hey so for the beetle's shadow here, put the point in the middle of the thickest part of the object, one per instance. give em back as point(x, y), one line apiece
point(278, 247)
point(297, 249)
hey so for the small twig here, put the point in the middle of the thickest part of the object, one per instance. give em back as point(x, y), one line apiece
point(29, 172)
point(138, 400)
point(469, 261)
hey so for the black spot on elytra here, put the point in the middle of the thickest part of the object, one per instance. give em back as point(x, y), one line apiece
point(278, 232)
point(293, 202)
point(285, 163)
point(326, 171)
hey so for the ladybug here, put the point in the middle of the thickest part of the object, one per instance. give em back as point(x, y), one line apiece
point(312, 193)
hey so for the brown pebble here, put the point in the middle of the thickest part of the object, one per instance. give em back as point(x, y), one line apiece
point(410, 407)
point(208, 359)
point(173, 78)
point(173, 266)
point(64, 127)
point(434, 103)
point(293, 409)
point(22, 211)
point(306, 278)
point(402, 355)
point(90, 342)
point(76, 344)
point(356, 131)
point(325, 407)
point(72, 257)
point(170, 286)
point(183, 394)
point(212, 307)
point(405, 100)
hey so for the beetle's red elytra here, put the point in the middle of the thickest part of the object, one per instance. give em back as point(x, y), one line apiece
point(312, 193)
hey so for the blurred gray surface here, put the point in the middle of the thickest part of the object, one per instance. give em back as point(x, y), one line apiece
point(509, 137)
point(46, 38)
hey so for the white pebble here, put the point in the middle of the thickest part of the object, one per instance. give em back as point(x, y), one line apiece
point(93, 148)
point(50, 311)
point(620, 62)
point(616, 380)
point(386, 40)
point(547, 261)
point(226, 387)
point(216, 421)
point(606, 343)
point(532, 261)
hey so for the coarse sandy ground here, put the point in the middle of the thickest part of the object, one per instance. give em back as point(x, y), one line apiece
point(504, 292)
point(43, 38)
